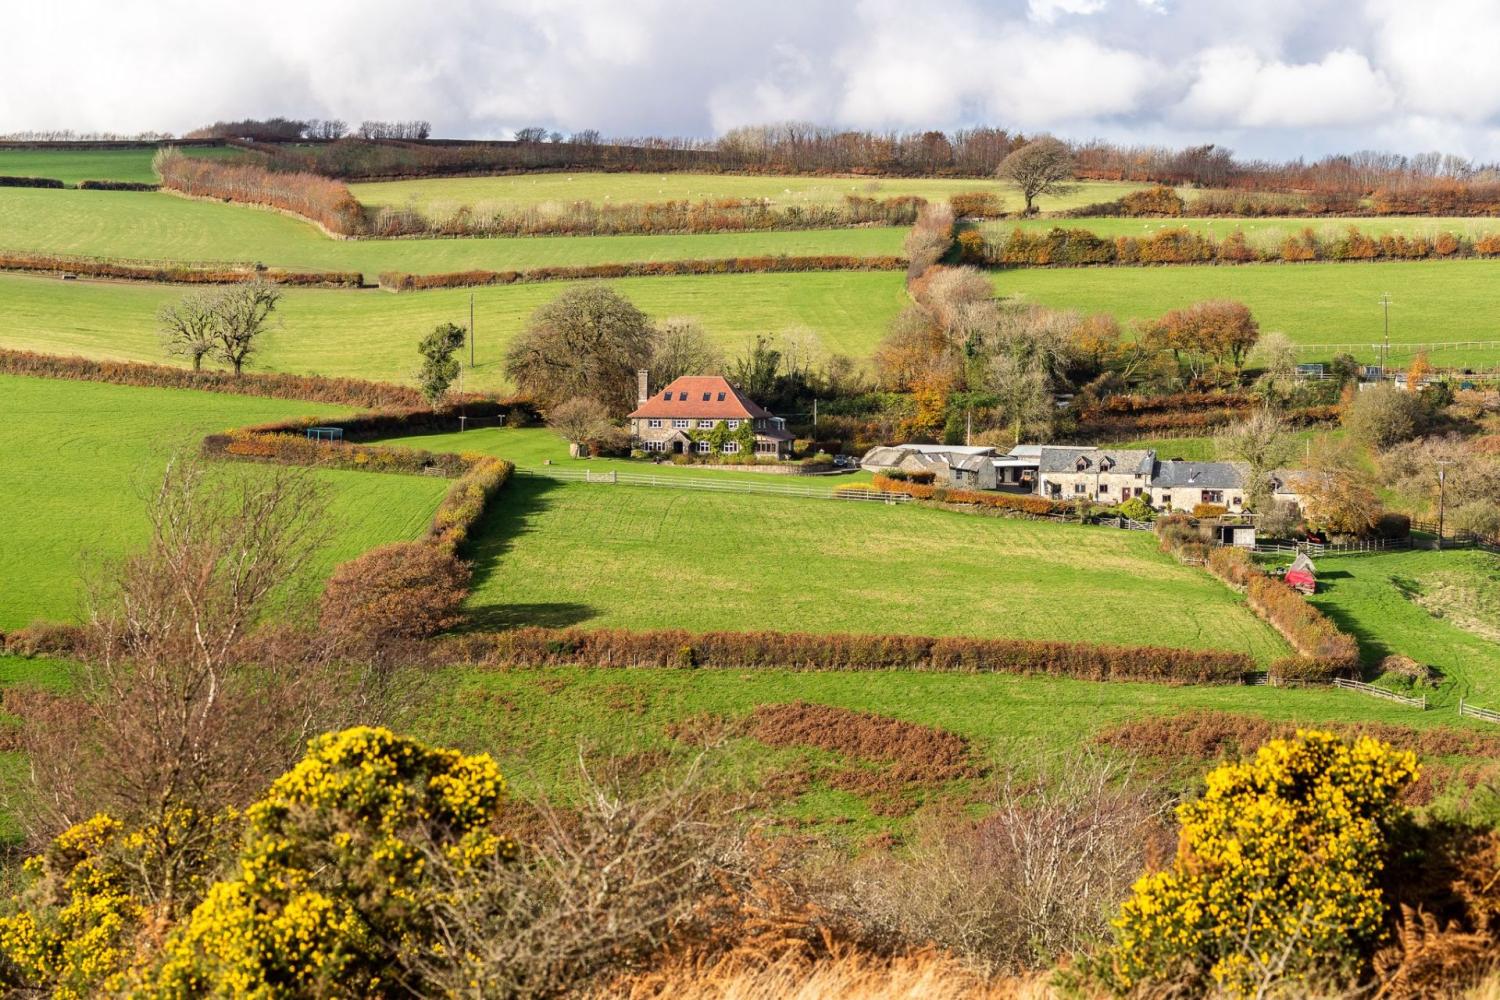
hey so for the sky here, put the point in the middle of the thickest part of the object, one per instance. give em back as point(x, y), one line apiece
point(1267, 78)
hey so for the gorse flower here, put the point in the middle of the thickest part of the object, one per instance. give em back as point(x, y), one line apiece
point(1276, 872)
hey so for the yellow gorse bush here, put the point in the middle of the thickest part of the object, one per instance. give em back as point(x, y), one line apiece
point(328, 880)
point(1276, 871)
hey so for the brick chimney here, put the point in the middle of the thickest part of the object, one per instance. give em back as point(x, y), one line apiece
point(642, 385)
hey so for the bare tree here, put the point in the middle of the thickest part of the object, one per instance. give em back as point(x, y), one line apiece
point(242, 314)
point(682, 348)
point(1022, 396)
point(595, 887)
point(1264, 443)
point(181, 706)
point(589, 341)
point(189, 327)
point(578, 421)
point(1041, 167)
point(531, 133)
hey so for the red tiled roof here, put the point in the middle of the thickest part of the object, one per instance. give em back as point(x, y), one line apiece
point(701, 397)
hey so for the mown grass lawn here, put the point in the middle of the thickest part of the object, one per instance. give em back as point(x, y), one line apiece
point(97, 164)
point(374, 334)
point(638, 557)
point(560, 188)
point(78, 456)
point(1322, 303)
point(162, 226)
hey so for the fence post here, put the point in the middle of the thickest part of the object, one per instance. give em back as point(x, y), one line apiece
point(1460, 706)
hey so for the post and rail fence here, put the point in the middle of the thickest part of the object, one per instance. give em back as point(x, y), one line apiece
point(1469, 711)
point(1370, 689)
point(707, 485)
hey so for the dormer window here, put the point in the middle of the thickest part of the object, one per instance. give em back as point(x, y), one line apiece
point(1106, 463)
point(1083, 463)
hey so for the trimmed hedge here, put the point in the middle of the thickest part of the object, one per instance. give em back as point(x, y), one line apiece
point(1023, 502)
point(401, 281)
point(117, 186)
point(397, 422)
point(171, 272)
point(622, 648)
point(30, 182)
point(313, 388)
point(286, 449)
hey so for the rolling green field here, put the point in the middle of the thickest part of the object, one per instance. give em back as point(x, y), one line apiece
point(159, 226)
point(620, 556)
point(437, 195)
point(1259, 232)
point(374, 334)
point(1322, 303)
point(1366, 597)
point(73, 165)
point(78, 455)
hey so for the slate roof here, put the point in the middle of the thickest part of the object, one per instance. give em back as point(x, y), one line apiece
point(701, 397)
point(1124, 461)
point(1204, 475)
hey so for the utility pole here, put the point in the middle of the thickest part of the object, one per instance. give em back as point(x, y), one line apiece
point(815, 411)
point(471, 329)
point(1385, 346)
point(1442, 477)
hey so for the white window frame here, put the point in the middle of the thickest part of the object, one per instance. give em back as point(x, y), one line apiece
point(706, 425)
point(769, 447)
point(703, 447)
point(654, 422)
point(731, 447)
point(680, 423)
point(655, 445)
point(734, 425)
point(1079, 489)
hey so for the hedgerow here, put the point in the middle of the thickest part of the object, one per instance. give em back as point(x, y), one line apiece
point(1304, 626)
point(1277, 875)
point(622, 648)
point(1022, 502)
point(402, 281)
point(31, 182)
point(171, 272)
point(117, 186)
point(273, 385)
point(326, 202)
point(585, 218)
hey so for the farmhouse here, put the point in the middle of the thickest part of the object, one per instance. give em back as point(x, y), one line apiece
point(1103, 474)
point(1179, 485)
point(677, 419)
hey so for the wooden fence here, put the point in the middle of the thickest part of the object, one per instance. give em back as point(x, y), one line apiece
point(1374, 691)
point(1477, 713)
point(1460, 539)
point(706, 484)
point(1346, 548)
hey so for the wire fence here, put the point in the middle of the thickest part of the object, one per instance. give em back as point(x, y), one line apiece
point(709, 485)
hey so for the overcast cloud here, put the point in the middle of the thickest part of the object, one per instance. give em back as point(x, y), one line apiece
point(1268, 78)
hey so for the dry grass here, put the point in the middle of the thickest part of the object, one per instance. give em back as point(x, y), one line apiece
point(852, 975)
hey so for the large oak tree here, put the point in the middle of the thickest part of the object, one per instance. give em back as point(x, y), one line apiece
point(589, 341)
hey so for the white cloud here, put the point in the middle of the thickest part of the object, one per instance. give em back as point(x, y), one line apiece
point(1235, 87)
point(1272, 78)
point(1047, 11)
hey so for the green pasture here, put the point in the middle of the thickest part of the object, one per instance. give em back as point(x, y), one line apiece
point(539, 449)
point(559, 189)
point(162, 226)
point(373, 334)
point(79, 454)
point(1265, 232)
point(92, 164)
point(625, 556)
point(1319, 303)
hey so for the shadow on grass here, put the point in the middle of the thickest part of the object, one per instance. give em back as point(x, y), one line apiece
point(498, 617)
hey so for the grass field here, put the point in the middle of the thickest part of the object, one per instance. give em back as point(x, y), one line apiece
point(1324, 303)
point(561, 189)
point(158, 226)
point(73, 165)
point(551, 553)
point(374, 334)
point(79, 453)
point(1259, 232)
point(1366, 597)
point(536, 721)
point(536, 447)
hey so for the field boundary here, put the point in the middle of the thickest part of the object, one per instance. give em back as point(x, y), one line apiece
point(1377, 692)
point(1483, 714)
point(706, 484)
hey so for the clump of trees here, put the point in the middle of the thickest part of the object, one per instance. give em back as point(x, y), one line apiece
point(583, 423)
point(224, 325)
point(588, 342)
